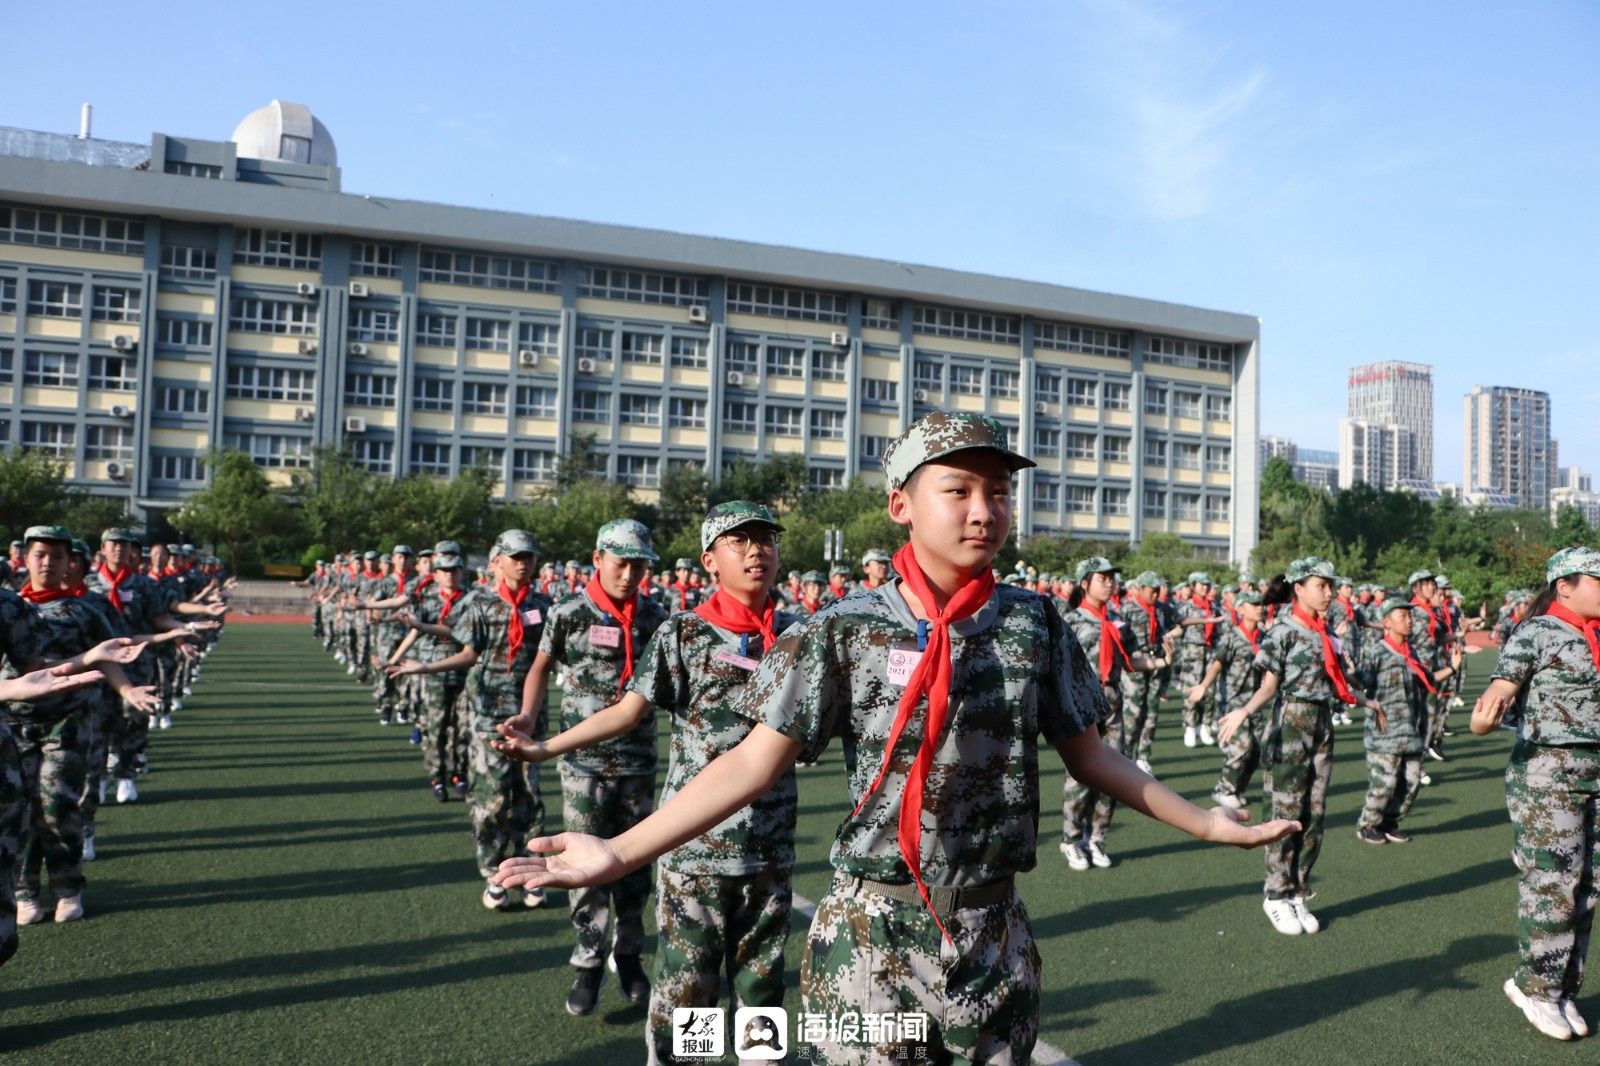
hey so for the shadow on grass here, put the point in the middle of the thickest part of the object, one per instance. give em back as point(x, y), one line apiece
point(1063, 1008)
point(1161, 907)
point(1448, 884)
point(307, 885)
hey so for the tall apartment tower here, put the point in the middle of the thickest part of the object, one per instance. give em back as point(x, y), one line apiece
point(1387, 436)
point(1507, 445)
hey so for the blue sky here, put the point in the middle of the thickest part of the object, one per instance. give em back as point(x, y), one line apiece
point(1412, 181)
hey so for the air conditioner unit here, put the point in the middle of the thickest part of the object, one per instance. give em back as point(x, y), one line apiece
point(117, 470)
point(919, 395)
point(355, 424)
point(306, 288)
point(699, 314)
point(303, 414)
point(308, 346)
point(122, 342)
point(735, 377)
point(528, 357)
point(357, 288)
point(121, 410)
point(357, 348)
point(586, 366)
point(1040, 407)
point(839, 339)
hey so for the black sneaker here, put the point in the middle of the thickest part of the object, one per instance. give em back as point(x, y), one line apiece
point(1371, 836)
point(1397, 836)
point(438, 790)
point(635, 986)
point(585, 991)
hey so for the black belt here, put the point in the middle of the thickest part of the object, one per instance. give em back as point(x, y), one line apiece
point(946, 901)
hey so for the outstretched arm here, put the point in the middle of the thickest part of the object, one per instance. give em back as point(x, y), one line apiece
point(1491, 706)
point(50, 681)
point(613, 721)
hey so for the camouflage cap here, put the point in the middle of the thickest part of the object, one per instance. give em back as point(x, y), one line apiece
point(813, 577)
point(731, 515)
point(1247, 599)
point(839, 571)
point(446, 561)
point(1341, 582)
point(188, 549)
point(794, 575)
point(1200, 577)
point(1395, 600)
point(1095, 564)
point(571, 564)
point(941, 433)
point(402, 549)
point(55, 534)
point(516, 542)
point(1310, 566)
point(1013, 579)
point(369, 555)
point(81, 548)
point(119, 535)
point(876, 555)
point(1442, 581)
point(18, 544)
point(1147, 579)
point(1234, 589)
point(1419, 575)
point(1569, 562)
point(626, 538)
point(424, 553)
point(447, 547)
point(683, 564)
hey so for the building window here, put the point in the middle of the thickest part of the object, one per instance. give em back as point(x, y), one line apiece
point(182, 262)
point(488, 334)
point(1155, 503)
point(1081, 392)
point(51, 369)
point(1046, 495)
point(107, 442)
point(378, 324)
point(1114, 449)
point(743, 356)
point(591, 405)
point(483, 398)
point(872, 449)
point(966, 380)
point(1047, 386)
point(431, 457)
point(182, 332)
point(1185, 455)
point(8, 295)
point(1066, 337)
point(1185, 404)
point(436, 329)
point(485, 455)
point(688, 351)
point(515, 273)
point(785, 362)
point(971, 325)
point(642, 286)
point(533, 464)
point(433, 394)
point(927, 374)
point(55, 299)
point(270, 383)
point(593, 343)
point(784, 421)
point(738, 417)
point(1155, 400)
point(879, 390)
point(805, 304)
point(639, 471)
point(1003, 383)
point(1173, 351)
point(373, 259)
point(273, 450)
point(175, 468)
point(1219, 408)
point(115, 303)
point(64, 229)
point(1116, 396)
point(53, 438)
point(642, 347)
point(182, 400)
point(277, 248)
point(115, 372)
point(1080, 499)
point(1219, 458)
point(536, 401)
point(1113, 501)
point(1217, 508)
point(1081, 445)
point(255, 315)
point(827, 425)
point(826, 478)
point(1046, 442)
point(827, 365)
point(880, 314)
point(541, 337)
point(685, 413)
point(376, 456)
point(1155, 451)
point(193, 170)
point(1186, 506)
point(636, 410)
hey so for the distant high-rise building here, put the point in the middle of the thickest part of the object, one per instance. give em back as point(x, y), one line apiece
point(1387, 436)
point(1318, 468)
point(1574, 488)
point(1507, 446)
point(1276, 448)
point(1572, 477)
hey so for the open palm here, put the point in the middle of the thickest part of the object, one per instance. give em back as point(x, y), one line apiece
point(566, 860)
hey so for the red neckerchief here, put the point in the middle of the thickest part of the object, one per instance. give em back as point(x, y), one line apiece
point(1330, 659)
point(33, 595)
point(1433, 619)
point(424, 583)
point(1349, 608)
point(1116, 601)
point(1155, 625)
point(930, 679)
point(625, 613)
point(1203, 605)
point(514, 633)
point(400, 584)
point(1589, 627)
point(370, 573)
point(1254, 633)
point(682, 589)
point(812, 606)
point(1449, 621)
point(1402, 648)
point(448, 597)
point(725, 612)
point(836, 586)
point(868, 583)
point(1233, 615)
point(1110, 641)
point(114, 580)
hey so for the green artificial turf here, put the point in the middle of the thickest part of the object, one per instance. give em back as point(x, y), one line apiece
point(286, 890)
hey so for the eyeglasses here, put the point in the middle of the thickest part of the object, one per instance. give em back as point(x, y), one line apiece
point(740, 541)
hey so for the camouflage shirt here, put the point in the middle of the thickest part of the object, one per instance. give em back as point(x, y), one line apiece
point(1552, 659)
point(61, 629)
point(1018, 673)
point(143, 601)
point(1387, 679)
point(482, 622)
point(1425, 647)
point(1137, 615)
point(1294, 653)
point(1240, 675)
point(427, 603)
point(18, 634)
point(1195, 636)
point(1086, 627)
point(592, 673)
point(1351, 638)
point(692, 670)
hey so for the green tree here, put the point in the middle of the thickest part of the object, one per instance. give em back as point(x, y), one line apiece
point(32, 488)
point(338, 500)
point(1571, 528)
point(779, 481)
point(565, 520)
point(237, 510)
point(684, 491)
point(87, 515)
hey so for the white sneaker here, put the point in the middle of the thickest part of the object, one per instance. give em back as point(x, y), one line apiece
point(1098, 856)
point(1188, 736)
point(164, 722)
point(103, 783)
point(69, 908)
point(1072, 851)
point(127, 791)
point(1231, 802)
point(1308, 921)
point(1456, 704)
point(1281, 913)
point(495, 898)
point(1206, 738)
point(188, 690)
point(88, 847)
point(350, 669)
point(1144, 764)
point(1425, 779)
point(177, 705)
point(1543, 1015)
point(1569, 1011)
point(533, 897)
point(29, 912)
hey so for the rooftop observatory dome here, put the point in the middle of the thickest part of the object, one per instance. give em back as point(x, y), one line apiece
point(286, 132)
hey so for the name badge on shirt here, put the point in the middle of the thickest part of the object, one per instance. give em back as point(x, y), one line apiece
point(1338, 645)
point(531, 617)
point(902, 664)
point(605, 636)
point(743, 662)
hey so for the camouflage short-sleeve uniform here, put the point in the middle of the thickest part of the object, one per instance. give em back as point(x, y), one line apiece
point(1085, 813)
point(143, 601)
point(446, 723)
point(1018, 674)
point(1196, 654)
point(1240, 677)
point(1394, 755)
point(385, 638)
point(1141, 692)
point(1429, 635)
point(16, 645)
point(1552, 792)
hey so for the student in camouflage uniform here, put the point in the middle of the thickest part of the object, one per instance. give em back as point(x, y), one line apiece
point(1233, 667)
point(1302, 678)
point(1141, 692)
point(1429, 637)
point(498, 630)
point(392, 592)
point(995, 667)
point(875, 564)
point(606, 788)
point(446, 720)
point(811, 585)
point(1394, 677)
point(1202, 622)
point(1552, 661)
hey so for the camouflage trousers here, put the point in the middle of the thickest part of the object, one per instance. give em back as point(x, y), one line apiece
point(102, 742)
point(1298, 756)
point(13, 810)
point(386, 690)
point(1141, 699)
point(361, 650)
point(319, 628)
point(1393, 779)
point(166, 676)
point(130, 736)
point(979, 992)
point(446, 726)
point(1085, 812)
point(604, 807)
point(1192, 668)
point(1438, 716)
point(1241, 757)
point(712, 927)
point(506, 809)
point(54, 772)
point(1553, 795)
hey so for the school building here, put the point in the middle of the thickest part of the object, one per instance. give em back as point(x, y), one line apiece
point(158, 301)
